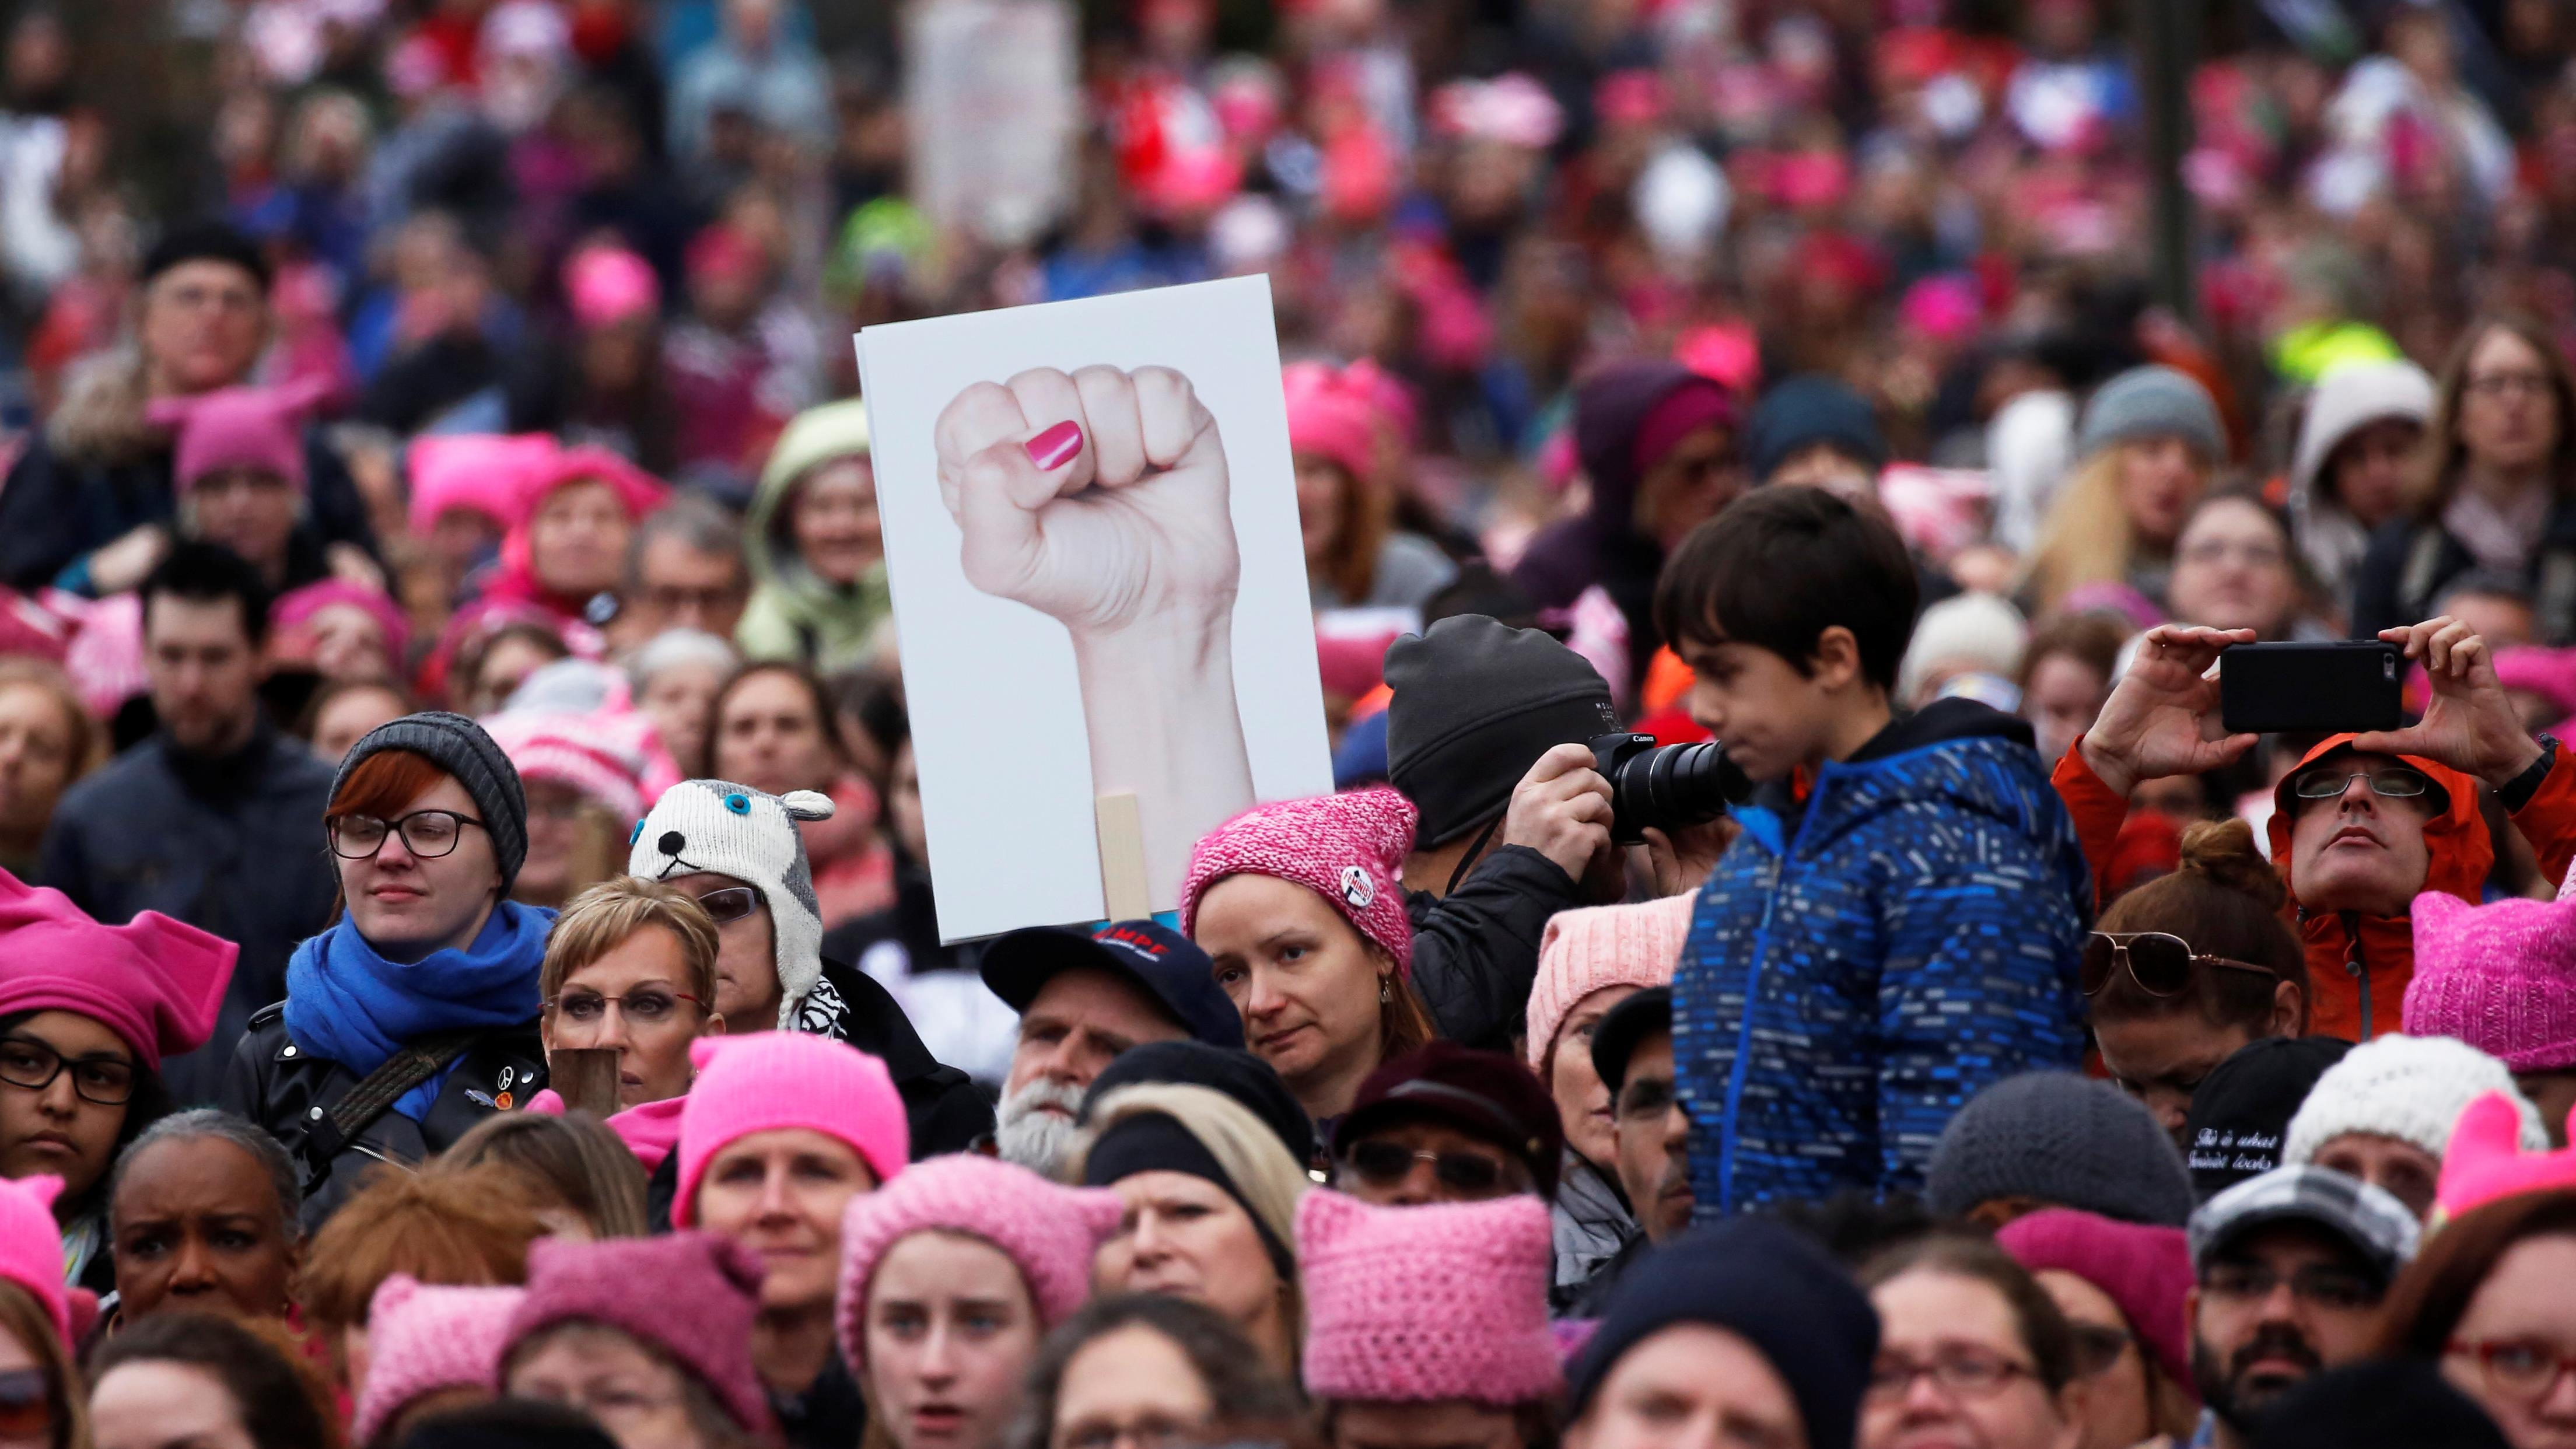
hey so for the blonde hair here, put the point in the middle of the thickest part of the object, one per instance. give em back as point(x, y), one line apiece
point(1254, 1160)
point(603, 917)
point(87, 742)
point(2086, 537)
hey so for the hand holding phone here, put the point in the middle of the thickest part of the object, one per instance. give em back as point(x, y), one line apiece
point(2163, 717)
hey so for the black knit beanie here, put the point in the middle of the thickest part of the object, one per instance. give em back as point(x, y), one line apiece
point(2243, 1109)
point(1475, 704)
point(1770, 1285)
point(1153, 1142)
point(206, 241)
point(460, 747)
point(2066, 1140)
point(1239, 1074)
point(2390, 1403)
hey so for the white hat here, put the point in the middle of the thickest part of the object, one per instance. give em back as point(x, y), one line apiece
point(751, 835)
point(2412, 1088)
point(1978, 631)
point(2350, 398)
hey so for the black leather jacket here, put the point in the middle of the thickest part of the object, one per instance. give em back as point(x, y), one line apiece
point(274, 1083)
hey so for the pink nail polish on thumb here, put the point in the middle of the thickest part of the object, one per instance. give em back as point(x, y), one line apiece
point(1056, 446)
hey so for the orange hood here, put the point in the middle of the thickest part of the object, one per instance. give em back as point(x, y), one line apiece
point(2460, 854)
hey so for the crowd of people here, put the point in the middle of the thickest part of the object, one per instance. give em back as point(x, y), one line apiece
point(469, 968)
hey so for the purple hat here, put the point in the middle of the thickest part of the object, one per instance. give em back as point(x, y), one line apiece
point(689, 1296)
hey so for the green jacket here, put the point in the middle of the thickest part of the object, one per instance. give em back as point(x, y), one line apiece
point(793, 614)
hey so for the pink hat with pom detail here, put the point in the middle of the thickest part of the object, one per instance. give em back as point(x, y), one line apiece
point(2501, 977)
point(255, 428)
point(31, 1245)
point(767, 1081)
point(1049, 1232)
point(157, 983)
point(1347, 848)
point(421, 1339)
point(1584, 950)
point(1413, 1304)
point(2486, 1162)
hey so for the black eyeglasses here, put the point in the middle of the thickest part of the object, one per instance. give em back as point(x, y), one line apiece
point(29, 1063)
point(2395, 782)
point(427, 834)
point(2160, 963)
point(728, 904)
point(1383, 1164)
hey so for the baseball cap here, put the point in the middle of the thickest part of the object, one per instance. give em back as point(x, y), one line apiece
point(1483, 1094)
point(2376, 1225)
point(1616, 1035)
point(1162, 963)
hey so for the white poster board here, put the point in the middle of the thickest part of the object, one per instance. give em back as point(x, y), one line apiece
point(992, 111)
point(1099, 586)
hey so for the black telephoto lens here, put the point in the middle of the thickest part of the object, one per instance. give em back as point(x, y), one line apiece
point(1665, 787)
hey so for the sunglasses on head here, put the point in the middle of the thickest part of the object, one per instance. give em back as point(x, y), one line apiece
point(730, 904)
point(1383, 1164)
point(2160, 963)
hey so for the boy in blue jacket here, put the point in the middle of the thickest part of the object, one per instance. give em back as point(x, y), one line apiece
point(1898, 923)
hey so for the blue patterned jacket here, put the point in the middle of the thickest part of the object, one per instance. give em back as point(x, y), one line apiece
point(1855, 973)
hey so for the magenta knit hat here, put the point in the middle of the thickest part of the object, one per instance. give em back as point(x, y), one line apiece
point(1050, 1232)
point(421, 1339)
point(31, 1245)
point(2500, 977)
point(2146, 1270)
point(1597, 946)
point(773, 1079)
point(1347, 848)
point(257, 428)
point(157, 983)
point(1412, 1304)
point(690, 1296)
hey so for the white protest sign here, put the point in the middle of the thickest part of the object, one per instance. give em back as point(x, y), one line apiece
point(1099, 586)
point(992, 111)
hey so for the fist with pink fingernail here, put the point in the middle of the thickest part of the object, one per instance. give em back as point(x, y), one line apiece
point(1056, 446)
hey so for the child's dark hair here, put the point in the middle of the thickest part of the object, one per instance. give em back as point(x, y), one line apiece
point(2226, 901)
point(1779, 567)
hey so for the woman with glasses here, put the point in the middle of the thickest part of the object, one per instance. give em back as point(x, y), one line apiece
point(87, 1015)
point(1971, 1350)
point(2236, 568)
point(2488, 1300)
point(1209, 1198)
point(1145, 1371)
point(2122, 1288)
point(631, 966)
point(416, 1014)
point(2495, 488)
point(2189, 967)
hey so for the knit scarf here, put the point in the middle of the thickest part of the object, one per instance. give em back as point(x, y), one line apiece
point(346, 1004)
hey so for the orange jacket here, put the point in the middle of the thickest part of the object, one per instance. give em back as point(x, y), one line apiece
point(2372, 961)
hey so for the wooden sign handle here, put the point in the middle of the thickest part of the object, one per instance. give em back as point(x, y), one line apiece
point(586, 1078)
point(1122, 857)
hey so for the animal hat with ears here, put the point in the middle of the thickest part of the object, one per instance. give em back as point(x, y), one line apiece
point(751, 835)
point(254, 428)
point(2485, 1160)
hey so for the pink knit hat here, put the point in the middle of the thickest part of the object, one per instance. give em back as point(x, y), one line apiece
point(1412, 1304)
point(421, 1339)
point(257, 428)
point(608, 284)
point(773, 1079)
point(1050, 1232)
point(1330, 418)
point(1347, 848)
point(2500, 977)
point(296, 608)
point(2145, 1270)
point(600, 754)
point(691, 1296)
point(1585, 950)
point(31, 1245)
point(155, 982)
point(2548, 673)
point(2485, 1160)
point(486, 473)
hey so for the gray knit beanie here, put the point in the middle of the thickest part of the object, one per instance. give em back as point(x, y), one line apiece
point(2066, 1141)
point(460, 747)
point(2151, 402)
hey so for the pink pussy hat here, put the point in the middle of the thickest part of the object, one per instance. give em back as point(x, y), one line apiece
point(31, 1245)
point(1347, 848)
point(254, 428)
point(1048, 1232)
point(2501, 977)
point(777, 1079)
point(1415, 1304)
point(421, 1339)
point(1587, 949)
point(2486, 1161)
point(157, 983)
point(1331, 418)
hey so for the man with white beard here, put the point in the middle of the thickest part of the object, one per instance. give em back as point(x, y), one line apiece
point(1084, 997)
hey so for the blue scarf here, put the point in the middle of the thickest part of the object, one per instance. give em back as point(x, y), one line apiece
point(346, 1004)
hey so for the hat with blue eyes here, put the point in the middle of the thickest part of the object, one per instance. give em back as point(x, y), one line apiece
point(721, 828)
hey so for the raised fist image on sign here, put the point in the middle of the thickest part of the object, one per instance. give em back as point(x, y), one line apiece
point(1098, 497)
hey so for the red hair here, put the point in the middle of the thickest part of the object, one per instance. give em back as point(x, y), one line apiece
point(384, 783)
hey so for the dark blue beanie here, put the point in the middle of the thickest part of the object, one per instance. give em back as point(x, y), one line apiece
point(1769, 1284)
point(1809, 409)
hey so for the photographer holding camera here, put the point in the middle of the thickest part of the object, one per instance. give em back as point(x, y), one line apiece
point(2365, 823)
point(1489, 735)
point(1898, 922)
